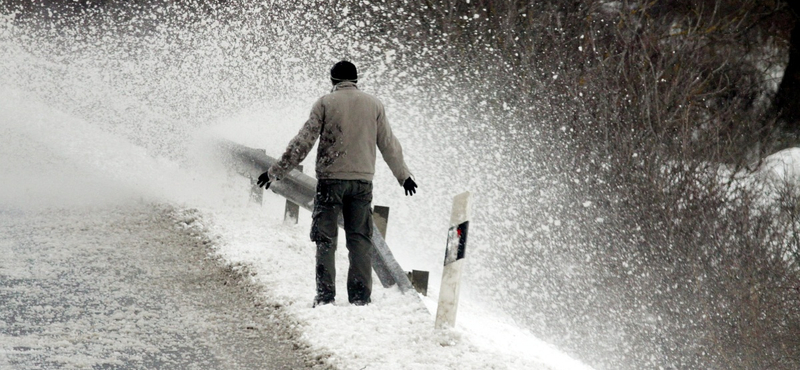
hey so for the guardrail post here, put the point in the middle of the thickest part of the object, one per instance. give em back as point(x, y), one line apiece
point(291, 214)
point(256, 192)
point(380, 215)
point(419, 279)
point(453, 261)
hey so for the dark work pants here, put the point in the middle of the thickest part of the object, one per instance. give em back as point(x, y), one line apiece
point(352, 199)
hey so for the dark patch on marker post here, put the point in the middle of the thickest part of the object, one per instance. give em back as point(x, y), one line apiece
point(456, 243)
point(462, 239)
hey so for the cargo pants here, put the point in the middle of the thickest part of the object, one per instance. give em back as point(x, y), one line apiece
point(352, 199)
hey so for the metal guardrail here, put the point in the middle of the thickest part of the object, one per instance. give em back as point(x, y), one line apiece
point(300, 189)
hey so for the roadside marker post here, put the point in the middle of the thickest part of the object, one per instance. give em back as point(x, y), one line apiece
point(454, 261)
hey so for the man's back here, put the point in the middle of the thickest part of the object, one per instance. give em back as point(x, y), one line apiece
point(350, 124)
point(349, 134)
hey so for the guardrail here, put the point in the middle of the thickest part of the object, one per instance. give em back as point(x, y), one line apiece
point(300, 189)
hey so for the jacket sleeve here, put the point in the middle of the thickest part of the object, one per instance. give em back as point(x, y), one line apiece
point(301, 144)
point(390, 148)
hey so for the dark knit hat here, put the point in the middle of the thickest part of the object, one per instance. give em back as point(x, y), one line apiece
point(344, 71)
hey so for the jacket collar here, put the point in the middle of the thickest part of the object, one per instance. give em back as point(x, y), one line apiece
point(345, 85)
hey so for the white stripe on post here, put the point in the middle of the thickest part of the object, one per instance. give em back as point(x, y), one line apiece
point(453, 261)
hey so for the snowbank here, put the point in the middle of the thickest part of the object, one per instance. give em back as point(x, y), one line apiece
point(395, 332)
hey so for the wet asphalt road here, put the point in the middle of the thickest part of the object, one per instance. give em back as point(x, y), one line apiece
point(129, 288)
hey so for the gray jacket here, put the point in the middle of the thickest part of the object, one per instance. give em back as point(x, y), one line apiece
point(350, 124)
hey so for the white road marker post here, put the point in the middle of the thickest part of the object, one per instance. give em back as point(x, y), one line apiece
point(453, 261)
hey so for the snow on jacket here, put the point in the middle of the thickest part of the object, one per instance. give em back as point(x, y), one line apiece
point(350, 124)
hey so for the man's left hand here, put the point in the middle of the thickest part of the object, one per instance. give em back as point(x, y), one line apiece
point(264, 180)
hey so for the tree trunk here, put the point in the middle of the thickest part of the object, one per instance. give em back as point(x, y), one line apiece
point(787, 100)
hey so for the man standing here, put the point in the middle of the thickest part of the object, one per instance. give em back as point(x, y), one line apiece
point(350, 124)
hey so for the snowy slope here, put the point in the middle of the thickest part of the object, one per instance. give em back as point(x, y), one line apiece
point(395, 332)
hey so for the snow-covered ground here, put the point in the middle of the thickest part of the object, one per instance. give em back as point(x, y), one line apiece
point(395, 332)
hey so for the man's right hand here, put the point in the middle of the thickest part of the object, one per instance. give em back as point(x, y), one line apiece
point(410, 186)
point(263, 180)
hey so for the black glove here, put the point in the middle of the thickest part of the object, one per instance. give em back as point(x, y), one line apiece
point(264, 180)
point(410, 186)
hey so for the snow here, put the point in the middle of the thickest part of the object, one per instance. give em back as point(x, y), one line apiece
point(394, 332)
point(783, 166)
point(72, 138)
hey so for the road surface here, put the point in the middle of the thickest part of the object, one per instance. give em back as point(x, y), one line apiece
point(128, 287)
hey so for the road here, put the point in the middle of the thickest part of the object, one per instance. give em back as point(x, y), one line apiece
point(129, 287)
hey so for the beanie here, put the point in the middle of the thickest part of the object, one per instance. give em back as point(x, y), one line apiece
point(344, 71)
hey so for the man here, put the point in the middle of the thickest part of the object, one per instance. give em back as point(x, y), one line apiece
point(350, 124)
